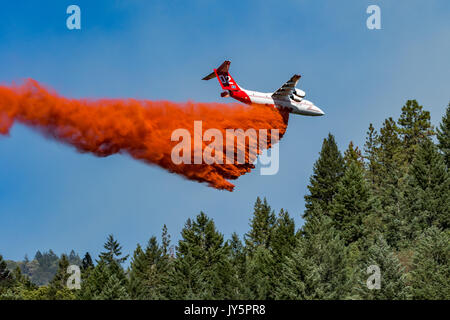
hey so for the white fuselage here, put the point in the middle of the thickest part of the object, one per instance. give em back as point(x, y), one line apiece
point(303, 107)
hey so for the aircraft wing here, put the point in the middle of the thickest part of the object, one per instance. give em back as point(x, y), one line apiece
point(288, 88)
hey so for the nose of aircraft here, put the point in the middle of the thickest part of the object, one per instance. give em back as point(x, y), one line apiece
point(318, 111)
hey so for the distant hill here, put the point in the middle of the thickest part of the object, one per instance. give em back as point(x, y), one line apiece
point(43, 267)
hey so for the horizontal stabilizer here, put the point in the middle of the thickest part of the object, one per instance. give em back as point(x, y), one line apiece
point(210, 76)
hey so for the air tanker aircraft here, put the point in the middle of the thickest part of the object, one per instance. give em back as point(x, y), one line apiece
point(288, 97)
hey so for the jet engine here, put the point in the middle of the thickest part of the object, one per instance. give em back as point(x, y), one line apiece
point(295, 98)
point(225, 94)
point(299, 93)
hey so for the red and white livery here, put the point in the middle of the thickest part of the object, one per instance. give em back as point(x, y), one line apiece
point(288, 97)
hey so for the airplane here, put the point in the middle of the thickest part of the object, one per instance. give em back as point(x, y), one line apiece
point(288, 97)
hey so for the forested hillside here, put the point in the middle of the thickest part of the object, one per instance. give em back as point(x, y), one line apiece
point(385, 204)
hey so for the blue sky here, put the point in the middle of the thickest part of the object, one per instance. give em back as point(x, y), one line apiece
point(52, 197)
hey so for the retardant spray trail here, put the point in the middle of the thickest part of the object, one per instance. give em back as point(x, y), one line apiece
point(141, 129)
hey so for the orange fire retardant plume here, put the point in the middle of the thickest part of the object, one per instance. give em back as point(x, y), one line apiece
point(140, 128)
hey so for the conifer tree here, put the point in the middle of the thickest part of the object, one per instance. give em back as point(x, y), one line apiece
point(371, 154)
point(430, 277)
point(160, 259)
point(351, 204)
point(6, 278)
point(93, 285)
point(443, 135)
point(414, 127)
point(393, 283)
point(59, 281)
point(109, 264)
point(87, 262)
point(113, 290)
point(138, 271)
point(387, 173)
point(113, 251)
point(427, 198)
point(165, 242)
point(238, 265)
point(327, 171)
point(259, 280)
point(283, 242)
point(318, 267)
point(261, 226)
point(202, 269)
point(353, 154)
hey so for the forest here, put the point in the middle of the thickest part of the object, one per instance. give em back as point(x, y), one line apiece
point(385, 204)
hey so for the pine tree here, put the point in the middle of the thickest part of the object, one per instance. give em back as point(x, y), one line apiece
point(87, 262)
point(393, 284)
point(238, 264)
point(59, 281)
point(319, 266)
point(202, 269)
point(387, 172)
point(138, 271)
point(389, 150)
point(351, 204)
point(371, 155)
point(113, 290)
point(113, 251)
point(24, 266)
point(427, 198)
point(165, 242)
point(149, 269)
point(6, 278)
point(259, 280)
point(328, 169)
point(443, 135)
point(109, 264)
point(430, 278)
point(261, 226)
point(160, 259)
point(93, 285)
point(283, 236)
point(414, 127)
point(353, 154)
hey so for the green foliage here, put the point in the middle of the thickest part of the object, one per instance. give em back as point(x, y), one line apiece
point(390, 210)
point(261, 226)
point(113, 251)
point(353, 154)
point(202, 269)
point(414, 127)
point(149, 270)
point(443, 135)
point(430, 277)
point(113, 290)
point(259, 274)
point(318, 267)
point(351, 204)
point(427, 197)
point(328, 170)
point(238, 264)
point(6, 278)
point(393, 284)
point(107, 271)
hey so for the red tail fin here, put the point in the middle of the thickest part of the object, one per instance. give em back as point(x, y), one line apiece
point(224, 77)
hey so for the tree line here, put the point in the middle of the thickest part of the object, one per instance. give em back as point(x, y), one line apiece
point(385, 205)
